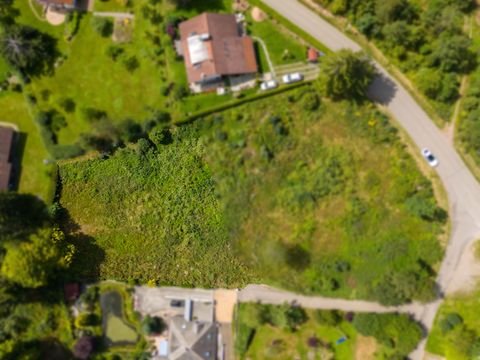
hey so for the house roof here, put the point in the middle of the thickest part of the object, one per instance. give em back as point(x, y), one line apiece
point(58, 2)
point(212, 47)
point(6, 142)
point(192, 340)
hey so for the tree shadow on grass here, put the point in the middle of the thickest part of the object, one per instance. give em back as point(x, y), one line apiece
point(88, 256)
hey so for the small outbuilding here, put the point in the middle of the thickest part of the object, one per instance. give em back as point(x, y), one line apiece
point(7, 137)
point(59, 5)
point(312, 55)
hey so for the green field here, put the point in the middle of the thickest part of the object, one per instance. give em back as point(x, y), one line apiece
point(282, 46)
point(302, 199)
point(285, 332)
point(456, 331)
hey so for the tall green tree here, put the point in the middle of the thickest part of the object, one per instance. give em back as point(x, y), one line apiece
point(31, 263)
point(347, 75)
point(20, 215)
point(7, 12)
point(27, 49)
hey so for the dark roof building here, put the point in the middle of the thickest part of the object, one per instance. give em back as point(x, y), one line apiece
point(59, 4)
point(213, 47)
point(192, 340)
point(6, 144)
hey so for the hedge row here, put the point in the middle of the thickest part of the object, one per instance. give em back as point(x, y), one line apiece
point(239, 102)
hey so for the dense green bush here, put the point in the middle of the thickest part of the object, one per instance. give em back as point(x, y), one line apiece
point(346, 75)
point(153, 325)
point(102, 25)
point(470, 118)
point(394, 330)
point(50, 122)
point(328, 317)
point(427, 42)
point(450, 321)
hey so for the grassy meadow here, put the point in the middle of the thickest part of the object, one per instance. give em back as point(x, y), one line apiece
point(315, 198)
point(456, 331)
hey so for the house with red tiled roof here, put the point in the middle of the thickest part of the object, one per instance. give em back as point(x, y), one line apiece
point(214, 49)
point(59, 4)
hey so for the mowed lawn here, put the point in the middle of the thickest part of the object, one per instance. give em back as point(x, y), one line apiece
point(94, 80)
point(321, 200)
point(281, 44)
point(35, 176)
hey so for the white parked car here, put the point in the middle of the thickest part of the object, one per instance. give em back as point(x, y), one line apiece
point(431, 159)
point(292, 78)
point(268, 85)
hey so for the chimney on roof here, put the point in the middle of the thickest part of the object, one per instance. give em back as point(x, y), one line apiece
point(188, 310)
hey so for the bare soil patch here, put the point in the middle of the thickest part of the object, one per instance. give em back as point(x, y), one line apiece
point(258, 15)
point(366, 348)
point(54, 18)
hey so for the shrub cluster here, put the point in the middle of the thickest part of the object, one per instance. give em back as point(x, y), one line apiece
point(427, 42)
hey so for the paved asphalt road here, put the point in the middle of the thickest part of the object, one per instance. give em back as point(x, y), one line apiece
point(462, 189)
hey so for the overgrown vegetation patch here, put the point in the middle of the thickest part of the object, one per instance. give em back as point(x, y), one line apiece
point(324, 200)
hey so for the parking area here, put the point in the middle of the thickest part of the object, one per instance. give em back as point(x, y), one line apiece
point(169, 302)
point(309, 71)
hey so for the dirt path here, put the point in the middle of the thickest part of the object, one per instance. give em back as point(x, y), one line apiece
point(267, 54)
point(34, 11)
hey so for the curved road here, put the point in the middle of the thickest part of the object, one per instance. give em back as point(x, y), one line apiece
point(462, 189)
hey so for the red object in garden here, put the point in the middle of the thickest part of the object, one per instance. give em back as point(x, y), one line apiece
point(313, 55)
point(71, 291)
